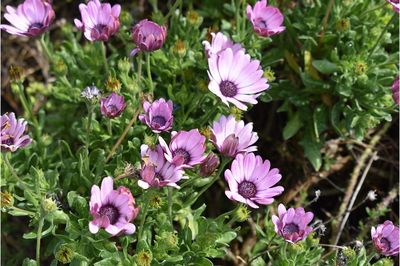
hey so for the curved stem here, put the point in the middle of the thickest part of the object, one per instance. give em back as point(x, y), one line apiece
point(382, 33)
point(38, 238)
point(109, 127)
point(88, 128)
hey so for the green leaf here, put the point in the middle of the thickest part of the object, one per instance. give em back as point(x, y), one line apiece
point(292, 127)
point(325, 67)
point(312, 150)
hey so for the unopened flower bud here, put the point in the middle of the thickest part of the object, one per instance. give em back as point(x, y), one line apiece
point(206, 132)
point(64, 254)
point(360, 67)
point(15, 73)
point(269, 74)
point(113, 84)
point(7, 200)
point(49, 205)
point(236, 112)
point(144, 258)
point(179, 48)
point(209, 165)
point(155, 201)
point(349, 253)
point(242, 214)
point(193, 18)
point(343, 24)
point(124, 65)
point(60, 67)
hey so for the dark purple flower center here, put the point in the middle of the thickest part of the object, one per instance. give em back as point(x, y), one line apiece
point(36, 26)
point(100, 28)
point(385, 243)
point(7, 140)
point(182, 153)
point(247, 189)
point(290, 228)
point(158, 121)
point(111, 212)
point(159, 176)
point(395, 1)
point(261, 23)
point(112, 108)
point(228, 88)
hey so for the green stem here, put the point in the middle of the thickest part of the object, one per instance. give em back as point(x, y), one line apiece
point(264, 252)
point(238, 24)
point(14, 173)
point(225, 161)
point(382, 33)
point(139, 59)
point(109, 127)
point(104, 54)
point(149, 73)
point(209, 114)
point(144, 211)
point(244, 19)
point(38, 238)
point(89, 125)
point(45, 47)
point(172, 10)
point(170, 207)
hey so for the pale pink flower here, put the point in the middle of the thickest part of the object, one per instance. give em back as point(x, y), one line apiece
point(251, 180)
point(99, 20)
point(266, 20)
point(156, 170)
point(219, 43)
point(386, 238)
point(235, 78)
point(158, 115)
point(31, 18)
point(186, 148)
point(292, 224)
point(12, 133)
point(232, 137)
point(111, 209)
point(395, 90)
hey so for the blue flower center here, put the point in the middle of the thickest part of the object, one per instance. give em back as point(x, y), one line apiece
point(7, 140)
point(228, 88)
point(183, 153)
point(261, 24)
point(111, 212)
point(158, 121)
point(290, 228)
point(247, 189)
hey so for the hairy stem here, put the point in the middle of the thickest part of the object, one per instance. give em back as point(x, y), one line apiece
point(148, 66)
point(104, 54)
point(145, 210)
point(14, 173)
point(170, 207)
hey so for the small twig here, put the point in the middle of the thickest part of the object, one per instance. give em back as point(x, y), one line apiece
point(353, 198)
point(123, 135)
point(354, 176)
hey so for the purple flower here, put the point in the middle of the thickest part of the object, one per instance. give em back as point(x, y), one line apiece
point(12, 133)
point(148, 36)
point(156, 170)
point(99, 21)
point(232, 137)
point(235, 78)
point(292, 224)
point(209, 165)
point(386, 238)
point(395, 4)
point(158, 115)
point(112, 106)
point(395, 90)
point(250, 180)
point(111, 209)
point(185, 149)
point(219, 43)
point(31, 18)
point(266, 20)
